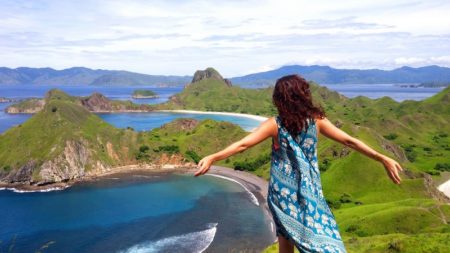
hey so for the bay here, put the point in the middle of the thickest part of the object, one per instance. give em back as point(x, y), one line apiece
point(135, 213)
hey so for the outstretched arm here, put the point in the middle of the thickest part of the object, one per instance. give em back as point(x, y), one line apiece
point(331, 131)
point(265, 129)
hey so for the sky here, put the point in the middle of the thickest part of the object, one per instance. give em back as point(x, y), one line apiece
point(235, 37)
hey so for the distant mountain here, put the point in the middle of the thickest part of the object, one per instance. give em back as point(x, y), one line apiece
point(328, 75)
point(85, 76)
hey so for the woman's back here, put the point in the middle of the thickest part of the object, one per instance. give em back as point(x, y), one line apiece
point(295, 193)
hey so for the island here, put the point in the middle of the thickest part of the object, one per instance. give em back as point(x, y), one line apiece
point(144, 94)
point(96, 102)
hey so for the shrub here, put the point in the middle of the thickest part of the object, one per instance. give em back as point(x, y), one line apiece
point(251, 165)
point(345, 198)
point(335, 204)
point(142, 154)
point(324, 165)
point(352, 228)
point(193, 155)
point(168, 148)
point(390, 136)
point(442, 166)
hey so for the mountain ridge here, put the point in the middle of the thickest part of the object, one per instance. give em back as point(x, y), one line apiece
point(316, 73)
point(329, 75)
point(85, 76)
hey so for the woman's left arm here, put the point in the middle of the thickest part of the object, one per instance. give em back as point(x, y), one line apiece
point(264, 130)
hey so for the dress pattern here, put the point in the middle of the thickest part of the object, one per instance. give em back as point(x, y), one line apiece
point(295, 198)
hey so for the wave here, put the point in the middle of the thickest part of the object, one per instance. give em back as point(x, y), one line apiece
point(28, 191)
point(196, 242)
point(252, 196)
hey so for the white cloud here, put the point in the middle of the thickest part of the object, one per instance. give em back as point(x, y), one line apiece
point(236, 37)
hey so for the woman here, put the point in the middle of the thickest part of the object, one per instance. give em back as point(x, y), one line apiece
point(295, 198)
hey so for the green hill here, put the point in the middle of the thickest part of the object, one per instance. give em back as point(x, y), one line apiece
point(65, 141)
point(365, 201)
point(61, 142)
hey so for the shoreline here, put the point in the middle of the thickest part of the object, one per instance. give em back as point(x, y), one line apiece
point(254, 185)
point(244, 115)
point(125, 169)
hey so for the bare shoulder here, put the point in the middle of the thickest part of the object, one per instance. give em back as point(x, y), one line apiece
point(320, 123)
point(270, 124)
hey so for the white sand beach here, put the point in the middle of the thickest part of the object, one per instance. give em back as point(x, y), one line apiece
point(251, 116)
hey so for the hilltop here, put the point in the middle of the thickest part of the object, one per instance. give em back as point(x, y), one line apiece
point(96, 102)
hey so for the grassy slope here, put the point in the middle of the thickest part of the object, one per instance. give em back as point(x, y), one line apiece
point(214, 95)
point(44, 135)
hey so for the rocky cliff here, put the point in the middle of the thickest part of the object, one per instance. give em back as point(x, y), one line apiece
point(209, 73)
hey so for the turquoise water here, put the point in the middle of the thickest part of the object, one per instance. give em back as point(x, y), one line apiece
point(150, 120)
point(133, 213)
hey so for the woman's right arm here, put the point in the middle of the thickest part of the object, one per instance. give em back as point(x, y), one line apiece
point(329, 130)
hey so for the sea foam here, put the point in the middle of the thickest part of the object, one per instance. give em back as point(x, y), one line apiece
point(197, 242)
point(28, 191)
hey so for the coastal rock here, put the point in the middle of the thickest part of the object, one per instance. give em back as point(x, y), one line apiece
point(209, 73)
point(21, 175)
point(71, 164)
point(32, 105)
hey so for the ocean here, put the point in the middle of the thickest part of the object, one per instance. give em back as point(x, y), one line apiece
point(142, 212)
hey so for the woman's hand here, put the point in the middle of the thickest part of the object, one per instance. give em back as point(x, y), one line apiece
point(204, 165)
point(392, 168)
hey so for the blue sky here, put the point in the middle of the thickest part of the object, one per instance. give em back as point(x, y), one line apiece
point(236, 37)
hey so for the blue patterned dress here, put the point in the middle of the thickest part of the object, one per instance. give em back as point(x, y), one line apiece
point(295, 198)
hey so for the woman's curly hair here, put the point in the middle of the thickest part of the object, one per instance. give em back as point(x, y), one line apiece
point(293, 100)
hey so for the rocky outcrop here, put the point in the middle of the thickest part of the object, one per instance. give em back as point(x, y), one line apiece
point(432, 191)
point(96, 102)
point(32, 105)
point(209, 73)
point(181, 124)
point(172, 161)
point(71, 164)
point(21, 175)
